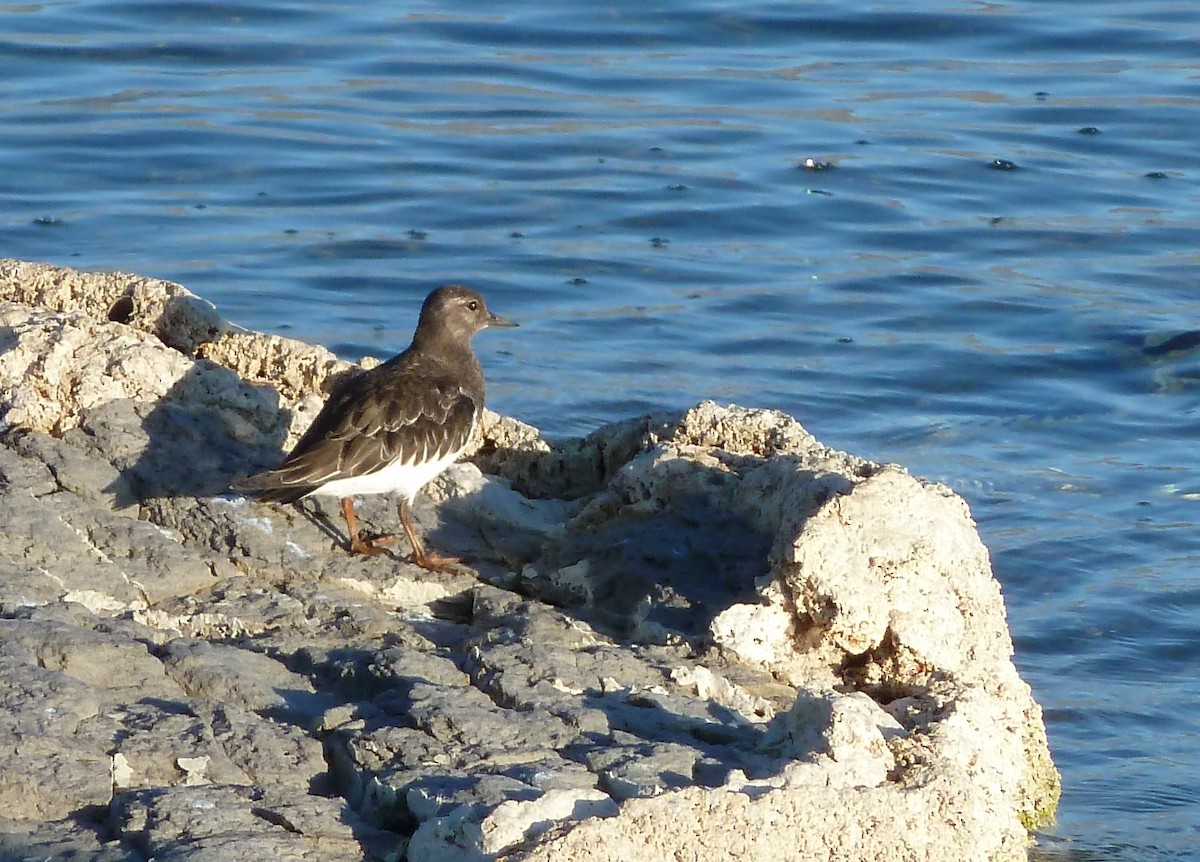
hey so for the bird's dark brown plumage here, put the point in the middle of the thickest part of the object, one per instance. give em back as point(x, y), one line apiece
point(394, 424)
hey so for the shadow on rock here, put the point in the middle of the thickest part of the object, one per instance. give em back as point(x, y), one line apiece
point(645, 576)
point(665, 740)
point(210, 427)
point(656, 560)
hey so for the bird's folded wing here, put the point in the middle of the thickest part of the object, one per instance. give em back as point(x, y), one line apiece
point(374, 428)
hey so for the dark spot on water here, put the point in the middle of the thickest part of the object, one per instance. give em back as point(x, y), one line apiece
point(199, 206)
point(815, 165)
point(1156, 175)
point(862, 142)
point(678, 187)
point(47, 221)
point(417, 234)
point(1175, 344)
point(659, 242)
point(121, 311)
point(845, 340)
point(1041, 95)
point(291, 231)
point(1089, 130)
point(656, 149)
point(819, 192)
point(996, 220)
point(602, 160)
point(262, 194)
point(76, 254)
point(577, 280)
point(1002, 165)
point(1143, 502)
point(516, 234)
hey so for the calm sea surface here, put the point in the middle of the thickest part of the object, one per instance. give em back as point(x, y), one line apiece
point(982, 286)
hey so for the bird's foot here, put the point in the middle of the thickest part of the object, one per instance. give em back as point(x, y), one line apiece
point(370, 546)
point(432, 561)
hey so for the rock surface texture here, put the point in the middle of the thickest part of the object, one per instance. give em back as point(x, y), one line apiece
point(691, 636)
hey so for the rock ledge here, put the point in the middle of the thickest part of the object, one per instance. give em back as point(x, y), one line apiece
point(686, 636)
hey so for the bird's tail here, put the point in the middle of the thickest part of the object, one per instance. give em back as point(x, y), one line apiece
point(268, 488)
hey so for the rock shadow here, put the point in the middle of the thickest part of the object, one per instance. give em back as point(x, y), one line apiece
point(653, 572)
point(646, 576)
point(208, 429)
point(668, 742)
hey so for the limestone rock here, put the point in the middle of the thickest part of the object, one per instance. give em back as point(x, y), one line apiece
point(216, 823)
point(167, 310)
point(60, 839)
point(698, 635)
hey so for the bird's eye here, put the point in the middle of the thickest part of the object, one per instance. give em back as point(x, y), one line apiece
point(473, 305)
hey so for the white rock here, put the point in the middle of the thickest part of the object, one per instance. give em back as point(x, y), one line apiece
point(401, 593)
point(514, 821)
point(714, 687)
point(761, 634)
point(194, 768)
point(122, 772)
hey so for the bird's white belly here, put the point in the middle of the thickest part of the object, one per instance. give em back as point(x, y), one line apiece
point(403, 479)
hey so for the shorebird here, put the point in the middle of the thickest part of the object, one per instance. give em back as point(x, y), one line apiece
point(394, 428)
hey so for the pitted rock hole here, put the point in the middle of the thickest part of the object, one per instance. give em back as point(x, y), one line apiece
point(121, 311)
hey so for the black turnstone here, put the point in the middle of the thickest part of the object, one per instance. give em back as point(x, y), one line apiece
point(395, 427)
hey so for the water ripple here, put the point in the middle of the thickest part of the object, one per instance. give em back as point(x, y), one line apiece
point(629, 183)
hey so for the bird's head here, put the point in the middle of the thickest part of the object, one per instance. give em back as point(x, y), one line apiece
point(457, 312)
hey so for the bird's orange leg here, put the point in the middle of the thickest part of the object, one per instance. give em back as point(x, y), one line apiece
point(360, 544)
point(429, 560)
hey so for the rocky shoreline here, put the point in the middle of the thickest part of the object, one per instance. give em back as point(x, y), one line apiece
point(686, 636)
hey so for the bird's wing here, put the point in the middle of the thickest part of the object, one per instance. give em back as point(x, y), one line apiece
point(400, 413)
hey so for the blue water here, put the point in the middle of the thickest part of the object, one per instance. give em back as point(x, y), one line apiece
point(976, 288)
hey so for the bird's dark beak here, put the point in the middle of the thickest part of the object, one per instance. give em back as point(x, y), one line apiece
point(497, 320)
